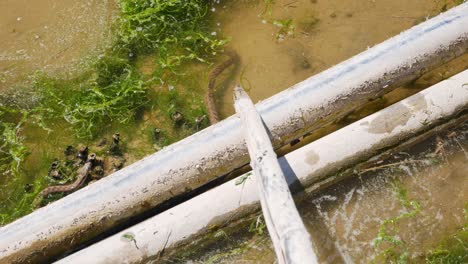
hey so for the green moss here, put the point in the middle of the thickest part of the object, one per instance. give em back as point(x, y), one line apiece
point(12, 149)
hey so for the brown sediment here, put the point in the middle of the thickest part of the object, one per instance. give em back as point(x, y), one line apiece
point(209, 96)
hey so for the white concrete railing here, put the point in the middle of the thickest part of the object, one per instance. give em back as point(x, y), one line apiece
point(324, 157)
point(285, 226)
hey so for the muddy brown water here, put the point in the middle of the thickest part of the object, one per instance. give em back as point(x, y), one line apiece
point(325, 33)
point(49, 35)
point(58, 36)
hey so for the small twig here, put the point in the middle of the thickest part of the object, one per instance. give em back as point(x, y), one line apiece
point(462, 148)
point(404, 17)
point(290, 3)
point(390, 165)
point(161, 253)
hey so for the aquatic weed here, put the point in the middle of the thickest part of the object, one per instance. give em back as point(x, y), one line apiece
point(178, 30)
point(395, 248)
point(110, 88)
point(258, 225)
point(285, 26)
point(453, 249)
point(89, 107)
point(12, 148)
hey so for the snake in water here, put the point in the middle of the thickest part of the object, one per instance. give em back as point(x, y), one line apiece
point(209, 96)
point(212, 113)
point(83, 173)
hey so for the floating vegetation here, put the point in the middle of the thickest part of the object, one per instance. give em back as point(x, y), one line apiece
point(388, 238)
point(12, 148)
point(176, 29)
point(285, 26)
point(242, 179)
point(88, 107)
point(454, 249)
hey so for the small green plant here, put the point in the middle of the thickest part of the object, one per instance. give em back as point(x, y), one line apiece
point(258, 226)
point(395, 248)
point(285, 27)
point(242, 179)
point(454, 249)
point(130, 237)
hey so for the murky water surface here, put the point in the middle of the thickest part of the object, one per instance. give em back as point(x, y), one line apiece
point(321, 34)
point(49, 35)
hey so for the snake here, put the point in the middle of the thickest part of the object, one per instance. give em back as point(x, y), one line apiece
point(213, 114)
point(83, 173)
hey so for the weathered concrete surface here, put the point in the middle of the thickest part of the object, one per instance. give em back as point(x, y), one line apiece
point(237, 198)
point(290, 238)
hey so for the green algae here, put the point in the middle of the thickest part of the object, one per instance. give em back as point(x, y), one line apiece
point(87, 108)
point(12, 148)
point(178, 30)
point(112, 94)
point(393, 247)
point(454, 249)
